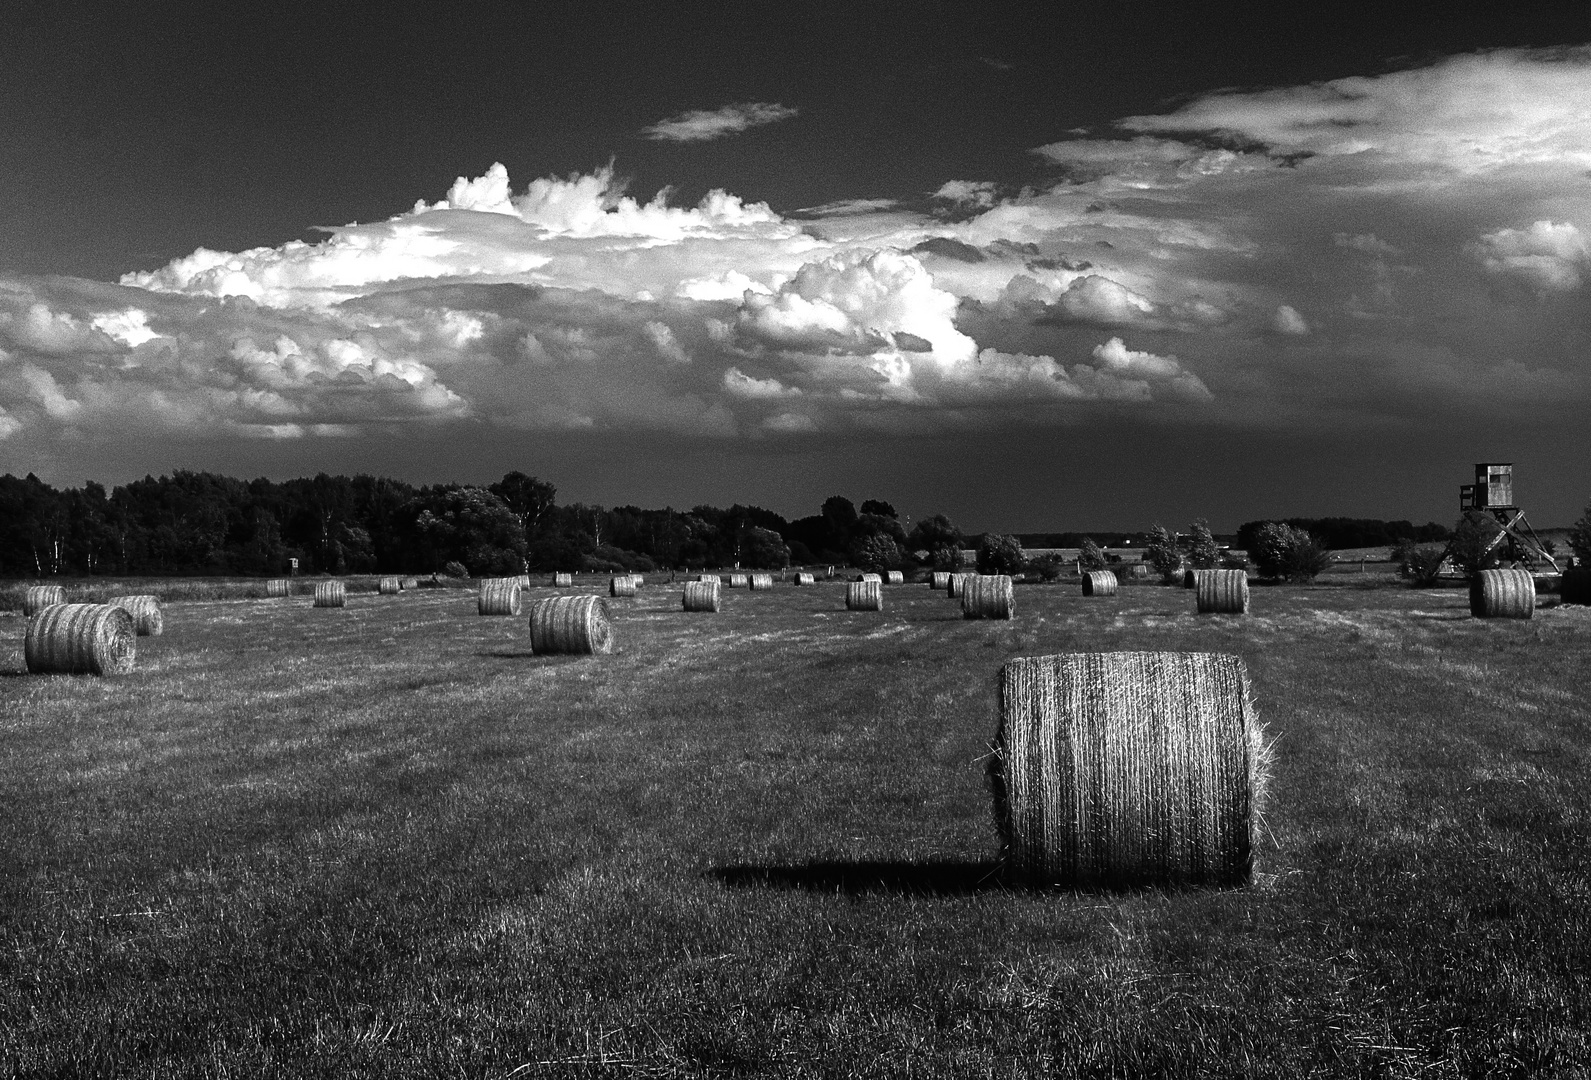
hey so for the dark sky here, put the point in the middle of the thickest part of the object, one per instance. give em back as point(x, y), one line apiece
point(1322, 298)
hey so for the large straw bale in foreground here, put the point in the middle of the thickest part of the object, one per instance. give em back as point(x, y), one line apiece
point(702, 595)
point(805, 579)
point(39, 597)
point(621, 585)
point(1575, 586)
point(1119, 769)
point(940, 581)
point(81, 639)
point(1099, 583)
point(570, 624)
point(499, 596)
point(278, 587)
point(761, 581)
point(1221, 592)
point(1502, 594)
point(864, 595)
point(988, 596)
point(145, 610)
point(331, 594)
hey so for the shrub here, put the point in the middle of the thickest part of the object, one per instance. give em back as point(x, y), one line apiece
point(946, 557)
point(877, 553)
point(1580, 538)
point(1282, 552)
point(1422, 565)
point(1049, 567)
point(1162, 553)
point(1473, 544)
point(455, 570)
point(1091, 555)
point(1203, 552)
point(1000, 555)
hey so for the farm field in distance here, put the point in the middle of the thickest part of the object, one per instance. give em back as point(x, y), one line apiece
point(387, 840)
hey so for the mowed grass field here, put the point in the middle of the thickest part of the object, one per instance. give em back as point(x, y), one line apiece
point(389, 841)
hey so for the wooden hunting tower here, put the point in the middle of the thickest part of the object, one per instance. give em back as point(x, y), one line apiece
point(1492, 496)
point(1493, 488)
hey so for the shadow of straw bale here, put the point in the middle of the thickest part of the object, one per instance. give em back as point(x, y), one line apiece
point(929, 878)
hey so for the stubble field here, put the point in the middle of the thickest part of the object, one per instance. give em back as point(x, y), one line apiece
point(389, 841)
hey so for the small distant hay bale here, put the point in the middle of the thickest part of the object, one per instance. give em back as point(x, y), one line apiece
point(1575, 586)
point(1502, 594)
point(562, 580)
point(1099, 583)
point(39, 597)
point(1137, 570)
point(524, 581)
point(331, 594)
point(639, 579)
point(895, 577)
point(702, 595)
point(570, 624)
point(1220, 592)
point(145, 610)
point(1190, 578)
point(621, 585)
point(739, 581)
point(1128, 769)
point(499, 596)
point(805, 579)
point(389, 586)
point(409, 583)
point(988, 596)
point(871, 577)
point(761, 581)
point(278, 587)
point(714, 578)
point(957, 585)
point(81, 639)
point(940, 581)
point(864, 595)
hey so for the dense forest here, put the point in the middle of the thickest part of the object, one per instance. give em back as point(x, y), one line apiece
point(200, 523)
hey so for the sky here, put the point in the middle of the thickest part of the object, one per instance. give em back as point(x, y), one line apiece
point(1038, 269)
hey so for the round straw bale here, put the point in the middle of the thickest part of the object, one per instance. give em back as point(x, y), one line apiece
point(1126, 769)
point(562, 580)
point(940, 581)
point(621, 585)
point(1502, 594)
point(739, 581)
point(81, 639)
point(278, 587)
point(871, 577)
point(1575, 586)
point(331, 594)
point(499, 596)
point(389, 586)
point(39, 597)
point(409, 583)
point(639, 579)
point(988, 596)
point(570, 624)
point(864, 595)
point(1099, 583)
point(714, 578)
point(957, 585)
point(896, 577)
point(1137, 569)
point(145, 610)
point(762, 581)
point(524, 581)
point(805, 579)
point(702, 595)
point(1221, 592)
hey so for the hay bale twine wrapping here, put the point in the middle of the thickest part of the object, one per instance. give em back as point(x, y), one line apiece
point(761, 581)
point(805, 579)
point(621, 585)
point(957, 585)
point(145, 610)
point(702, 595)
point(331, 594)
point(864, 595)
point(896, 577)
point(570, 624)
point(1575, 586)
point(499, 596)
point(739, 581)
point(988, 596)
point(1099, 583)
point(81, 639)
point(278, 587)
point(39, 597)
point(1221, 592)
point(940, 581)
point(1502, 594)
point(1133, 768)
point(389, 586)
